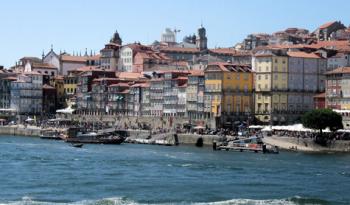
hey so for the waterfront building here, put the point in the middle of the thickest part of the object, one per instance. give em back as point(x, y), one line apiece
point(338, 89)
point(228, 92)
point(173, 81)
point(49, 100)
point(70, 85)
point(118, 96)
point(195, 95)
point(320, 101)
point(156, 96)
point(99, 95)
point(27, 94)
point(6, 78)
point(286, 83)
point(139, 99)
point(181, 110)
point(84, 86)
point(58, 83)
point(145, 99)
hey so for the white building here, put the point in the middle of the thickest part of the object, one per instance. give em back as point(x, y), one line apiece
point(126, 59)
point(168, 36)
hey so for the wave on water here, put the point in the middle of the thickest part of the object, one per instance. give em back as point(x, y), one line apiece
point(125, 201)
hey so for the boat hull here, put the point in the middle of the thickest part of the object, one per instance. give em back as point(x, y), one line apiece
point(95, 141)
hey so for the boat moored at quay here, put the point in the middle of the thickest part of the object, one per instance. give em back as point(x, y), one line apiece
point(106, 136)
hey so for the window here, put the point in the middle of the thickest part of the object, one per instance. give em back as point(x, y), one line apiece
point(259, 77)
point(266, 77)
point(246, 76)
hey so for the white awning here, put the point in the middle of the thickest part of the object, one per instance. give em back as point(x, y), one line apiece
point(7, 110)
point(29, 119)
point(67, 110)
point(256, 127)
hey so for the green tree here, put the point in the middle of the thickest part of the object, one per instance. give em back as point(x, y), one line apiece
point(321, 119)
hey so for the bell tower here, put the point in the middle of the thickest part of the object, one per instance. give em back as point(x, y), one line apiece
point(116, 38)
point(201, 41)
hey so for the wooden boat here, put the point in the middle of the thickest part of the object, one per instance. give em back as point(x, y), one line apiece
point(99, 137)
point(252, 144)
point(77, 145)
point(50, 134)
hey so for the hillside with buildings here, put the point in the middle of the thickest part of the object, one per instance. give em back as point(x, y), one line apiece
point(265, 79)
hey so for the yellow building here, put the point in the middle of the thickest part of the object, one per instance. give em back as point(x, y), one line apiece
point(58, 83)
point(229, 90)
point(70, 85)
point(271, 85)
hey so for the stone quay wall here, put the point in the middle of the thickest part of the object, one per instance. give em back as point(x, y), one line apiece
point(21, 131)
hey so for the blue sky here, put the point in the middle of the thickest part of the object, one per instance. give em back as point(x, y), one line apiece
point(29, 27)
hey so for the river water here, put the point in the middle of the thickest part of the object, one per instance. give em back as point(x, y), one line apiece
point(35, 171)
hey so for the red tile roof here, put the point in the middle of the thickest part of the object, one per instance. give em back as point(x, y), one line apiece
point(120, 85)
point(264, 55)
point(321, 44)
point(340, 70)
point(180, 50)
point(46, 86)
point(104, 79)
point(10, 78)
point(174, 71)
point(321, 95)
point(95, 57)
point(229, 67)
point(196, 73)
point(44, 66)
point(59, 77)
point(142, 85)
point(128, 75)
point(88, 68)
point(327, 25)
point(230, 51)
point(300, 54)
point(79, 59)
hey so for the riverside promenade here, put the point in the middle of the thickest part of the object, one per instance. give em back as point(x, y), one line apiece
point(306, 145)
point(183, 138)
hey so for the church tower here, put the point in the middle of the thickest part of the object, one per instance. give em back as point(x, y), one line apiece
point(116, 38)
point(201, 41)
